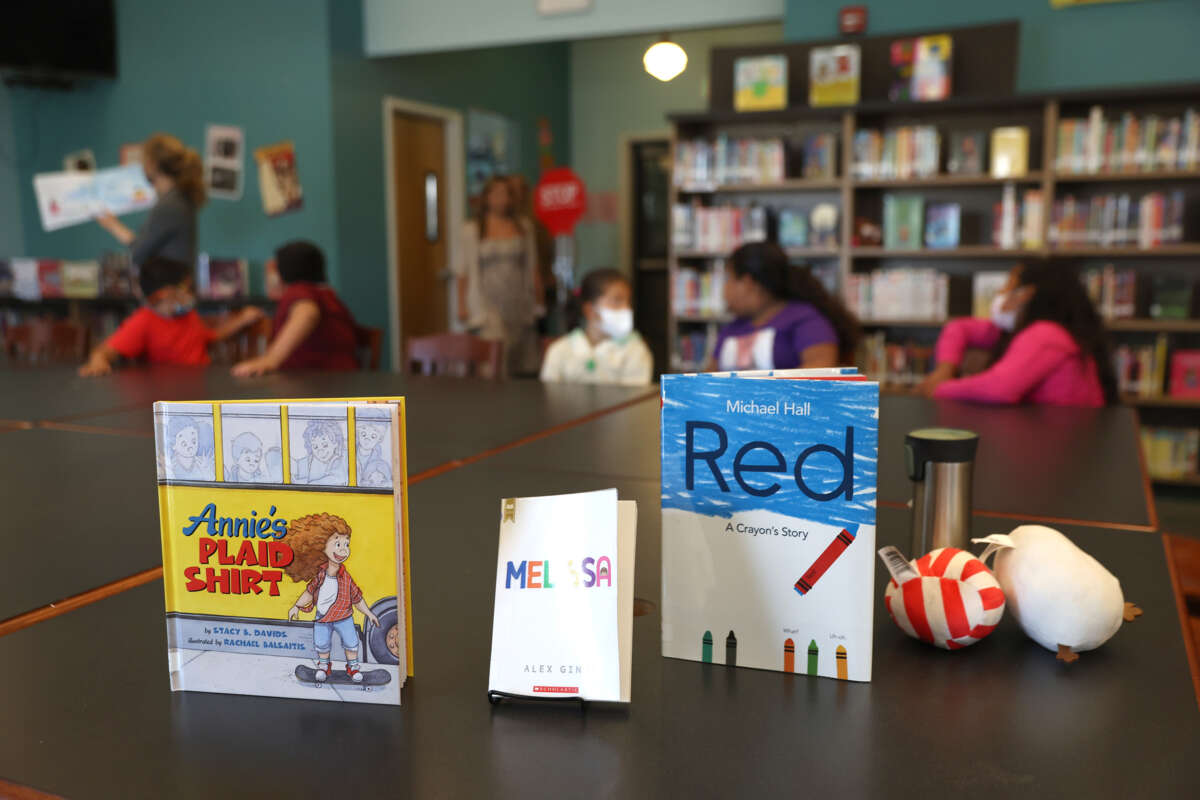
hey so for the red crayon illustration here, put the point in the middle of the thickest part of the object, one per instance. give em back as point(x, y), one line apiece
point(839, 544)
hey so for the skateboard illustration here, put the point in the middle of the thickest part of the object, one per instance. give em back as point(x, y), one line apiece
point(370, 677)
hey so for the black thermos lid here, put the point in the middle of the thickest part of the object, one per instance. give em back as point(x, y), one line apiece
point(940, 445)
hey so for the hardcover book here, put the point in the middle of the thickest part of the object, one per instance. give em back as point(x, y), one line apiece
point(931, 69)
point(285, 547)
point(833, 75)
point(768, 520)
point(942, 224)
point(562, 626)
point(966, 153)
point(760, 83)
point(903, 221)
point(1010, 152)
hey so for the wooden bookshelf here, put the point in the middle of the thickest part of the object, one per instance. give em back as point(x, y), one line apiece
point(1116, 177)
point(790, 185)
point(1155, 325)
point(946, 179)
point(1186, 250)
point(1180, 480)
point(1163, 401)
point(966, 251)
point(704, 318)
point(793, 252)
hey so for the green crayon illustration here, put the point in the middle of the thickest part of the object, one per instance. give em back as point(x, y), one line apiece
point(813, 651)
point(706, 647)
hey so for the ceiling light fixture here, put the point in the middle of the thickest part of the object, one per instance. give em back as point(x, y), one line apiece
point(665, 59)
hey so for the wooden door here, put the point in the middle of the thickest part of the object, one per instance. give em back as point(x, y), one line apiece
point(419, 156)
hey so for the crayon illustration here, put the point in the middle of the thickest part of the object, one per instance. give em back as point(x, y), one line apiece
point(789, 655)
point(813, 652)
point(841, 662)
point(706, 647)
point(838, 546)
point(731, 650)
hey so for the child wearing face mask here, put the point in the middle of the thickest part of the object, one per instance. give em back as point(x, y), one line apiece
point(166, 329)
point(604, 347)
point(1048, 344)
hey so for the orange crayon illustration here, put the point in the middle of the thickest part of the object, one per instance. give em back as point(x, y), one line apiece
point(789, 655)
point(841, 662)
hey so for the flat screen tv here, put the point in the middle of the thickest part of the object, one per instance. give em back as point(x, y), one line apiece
point(58, 39)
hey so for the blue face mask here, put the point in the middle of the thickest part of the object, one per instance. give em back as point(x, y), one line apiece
point(175, 310)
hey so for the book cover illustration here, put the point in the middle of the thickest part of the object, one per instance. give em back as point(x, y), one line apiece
point(563, 619)
point(833, 75)
point(768, 520)
point(285, 547)
point(278, 179)
point(942, 223)
point(793, 228)
point(81, 279)
point(966, 153)
point(1010, 152)
point(72, 198)
point(931, 68)
point(760, 83)
point(902, 55)
point(903, 221)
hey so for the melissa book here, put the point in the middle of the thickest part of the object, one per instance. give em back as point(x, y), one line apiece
point(768, 519)
point(285, 547)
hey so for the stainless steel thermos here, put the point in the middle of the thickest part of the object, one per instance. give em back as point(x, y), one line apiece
point(940, 464)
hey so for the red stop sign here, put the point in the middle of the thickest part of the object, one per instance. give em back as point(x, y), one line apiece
point(559, 200)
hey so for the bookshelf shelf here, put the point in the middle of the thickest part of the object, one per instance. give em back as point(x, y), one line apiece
point(1165, 401)
point(1180, 480)
point(704, 318)
point(967, 251)
point(944, 180)
point(1162, 251)
point(1113, 177)
point(903, 323)
point(1155, 325)
point(794, 252)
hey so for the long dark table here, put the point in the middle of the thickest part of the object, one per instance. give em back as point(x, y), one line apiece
point(79, 498)
point(994, 720)
point(1052, 464)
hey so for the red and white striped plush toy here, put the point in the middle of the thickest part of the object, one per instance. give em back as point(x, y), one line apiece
point(952, 601)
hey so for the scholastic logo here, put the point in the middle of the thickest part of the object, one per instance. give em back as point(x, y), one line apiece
point(556, 689)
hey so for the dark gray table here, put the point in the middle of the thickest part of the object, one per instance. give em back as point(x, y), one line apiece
point(1033, 463)
point(995, 720)
point(86, 506)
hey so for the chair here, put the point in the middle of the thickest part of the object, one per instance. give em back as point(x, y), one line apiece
point(46, 341)
point(456, 354)
point(368, 346)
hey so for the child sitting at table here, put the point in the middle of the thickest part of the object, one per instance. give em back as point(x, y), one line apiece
point(166, 329)
point(1048, 344)
point(784, 316)
point(313, 327)
point(603, 347)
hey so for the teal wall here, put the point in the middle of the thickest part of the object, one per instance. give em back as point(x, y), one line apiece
point(522, 83)
point(262, 65)
point(1108, 44)
point(12, 237)
point(612, 95)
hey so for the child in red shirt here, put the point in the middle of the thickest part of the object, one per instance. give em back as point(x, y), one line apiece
point(313, 328)
point(167, 329)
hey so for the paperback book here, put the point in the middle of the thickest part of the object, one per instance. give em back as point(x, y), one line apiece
point(768, 520)
point(285, 547)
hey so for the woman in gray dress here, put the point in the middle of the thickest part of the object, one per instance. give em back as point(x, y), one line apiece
point(499, 289)
point(177, 175)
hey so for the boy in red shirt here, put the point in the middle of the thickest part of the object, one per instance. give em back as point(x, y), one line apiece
point(313, 327)
point(167, 329)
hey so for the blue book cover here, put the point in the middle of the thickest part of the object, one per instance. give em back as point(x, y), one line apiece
point(768, 503)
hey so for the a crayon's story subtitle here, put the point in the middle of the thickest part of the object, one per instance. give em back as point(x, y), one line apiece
point(753, 531)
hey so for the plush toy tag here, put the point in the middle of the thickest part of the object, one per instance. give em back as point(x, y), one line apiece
point(897, 564)
point(994, 543)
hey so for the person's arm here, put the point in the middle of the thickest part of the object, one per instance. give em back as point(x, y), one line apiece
point(361, 605)
point(99, 362)
point(819, 355)
point(639, 368)
point(957, 336)
point(128, 340)
point(302, 319)
point(164, 221)
point(303, 603)
point(552, 364)
point(816, 342)
point(463, 269)
point(1033, 354)
point(118, 229)
point(234, 323)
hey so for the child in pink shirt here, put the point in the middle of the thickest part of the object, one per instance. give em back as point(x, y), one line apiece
point(1049, 346)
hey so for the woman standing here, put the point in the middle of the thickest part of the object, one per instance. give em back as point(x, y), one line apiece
point(499, 289)
point(177, 175)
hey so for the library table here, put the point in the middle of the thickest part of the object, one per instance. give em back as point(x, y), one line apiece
point(81, 507)
point(994, 720)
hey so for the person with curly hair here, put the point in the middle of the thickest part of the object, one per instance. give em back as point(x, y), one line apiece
point(321, 544)
point(325, 462)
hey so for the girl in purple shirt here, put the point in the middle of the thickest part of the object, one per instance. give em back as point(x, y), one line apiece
point(1048, 345)
point(785, 318)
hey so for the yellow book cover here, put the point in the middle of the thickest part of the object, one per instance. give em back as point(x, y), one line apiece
point(285, 547)
point(833, 74)
point(1010, 152)
point(760, 83)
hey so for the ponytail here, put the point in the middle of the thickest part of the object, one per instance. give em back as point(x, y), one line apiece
point(178, 162)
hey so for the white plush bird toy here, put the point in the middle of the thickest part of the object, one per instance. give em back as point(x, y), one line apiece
point(1064, 599)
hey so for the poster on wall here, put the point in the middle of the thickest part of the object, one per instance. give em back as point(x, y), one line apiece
point(80, 161)
point(278, 180)
point(224, 156)
point(493, 148)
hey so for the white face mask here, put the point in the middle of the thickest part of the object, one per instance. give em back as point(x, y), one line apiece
point(1005, 319)
point(616, 323)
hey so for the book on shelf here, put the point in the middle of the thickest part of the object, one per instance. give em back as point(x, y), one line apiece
point(730, 160)
point(81, 279)
point(699, 292)
point(966, 153)
point(793, 227)
point(905, 152)
point(902, 293)
point(1171, 452)
point(1170, 297)
point(1185, 373)
point(760, 83)
point(694, 349)
point(985, 285)
point(1010, 151)
point(1115, 220)
point(6, 278)
point(902, 56)
point(1018, 224)
point(820, 156)
point(932, 67)
point(717, 229)
point(942, 225)
point(222, 278)
point(116, 274)
point(25, 283)
point(1113, 291)
point(833, 75)
point(1142, 369)
point(1096, 144)
point(903, 221)
point(823, 225)
point(893, 363)
point(49, 275)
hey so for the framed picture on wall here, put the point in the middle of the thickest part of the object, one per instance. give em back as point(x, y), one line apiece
point(493, 148)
